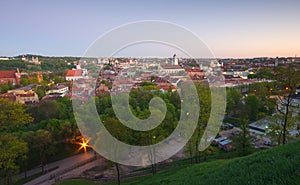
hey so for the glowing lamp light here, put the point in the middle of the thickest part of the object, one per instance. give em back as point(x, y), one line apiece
point(83, 144)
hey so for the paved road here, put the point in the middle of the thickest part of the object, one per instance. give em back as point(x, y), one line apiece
point(70, 162)
point(62, 165)
point(77, 172)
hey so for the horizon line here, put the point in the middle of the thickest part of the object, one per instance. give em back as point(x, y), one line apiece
point(73, 56)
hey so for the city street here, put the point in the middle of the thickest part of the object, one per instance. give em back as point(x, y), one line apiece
point(62, 165)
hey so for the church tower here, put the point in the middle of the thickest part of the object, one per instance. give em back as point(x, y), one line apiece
point(175, 60)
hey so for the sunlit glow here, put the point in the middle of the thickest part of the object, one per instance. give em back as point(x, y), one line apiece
point(83, 144)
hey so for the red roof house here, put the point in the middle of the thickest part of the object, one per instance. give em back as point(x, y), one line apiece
point(12, 76)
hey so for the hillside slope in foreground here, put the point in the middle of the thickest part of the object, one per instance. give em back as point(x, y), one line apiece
point(280, 165)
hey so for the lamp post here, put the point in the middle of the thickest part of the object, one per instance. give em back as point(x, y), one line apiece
point(154, 160)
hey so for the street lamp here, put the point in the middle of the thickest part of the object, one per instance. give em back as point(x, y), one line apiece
point(83, 144)
point(154, 158)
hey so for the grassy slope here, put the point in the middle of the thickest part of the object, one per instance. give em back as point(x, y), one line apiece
point(77, 182)
point(280, 165)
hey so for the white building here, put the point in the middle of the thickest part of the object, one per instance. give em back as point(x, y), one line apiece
point(60, 89)
point(170, 69)
point(76, 74)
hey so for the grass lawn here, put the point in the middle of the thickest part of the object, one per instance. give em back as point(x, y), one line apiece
point(23, 181)
point(30, 178)
point(77, 182)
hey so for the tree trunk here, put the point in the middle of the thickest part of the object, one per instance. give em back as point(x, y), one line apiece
point(197, 157)
point(196, 152)
point(205, 155)
point(244, 140)
point(9, 178)
point(285, 123)
point(151, 153)
point(279, 139)
point(41, 160)
point(118, 173)
point(42, 168)
point(154, 162)
point(191, 152)
point(26, 163)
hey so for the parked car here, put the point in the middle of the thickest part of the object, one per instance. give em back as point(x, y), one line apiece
point(235, 133)
point(235, 124)
point(230, 126)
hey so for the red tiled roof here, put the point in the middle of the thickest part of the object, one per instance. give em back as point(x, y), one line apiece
point(7, 74)
point(169, 66)
point(160, 80)
point(27, 95)
point(9, 96)
point(166, 87)
point(123, 81)
point(193, 70)
point(50, 97)
point(76, 72)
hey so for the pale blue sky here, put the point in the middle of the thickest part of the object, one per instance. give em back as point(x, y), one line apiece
point(230, 28)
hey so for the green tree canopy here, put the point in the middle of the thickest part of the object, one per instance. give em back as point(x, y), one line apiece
point(12, 114)
point(11, 149)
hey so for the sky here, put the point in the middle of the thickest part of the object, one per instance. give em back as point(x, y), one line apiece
point(231, 29)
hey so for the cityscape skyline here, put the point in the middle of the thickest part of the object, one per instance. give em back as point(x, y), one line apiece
point(230, 29)
point(149, 92)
